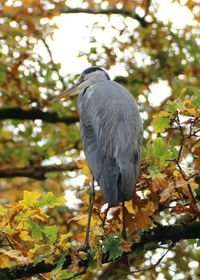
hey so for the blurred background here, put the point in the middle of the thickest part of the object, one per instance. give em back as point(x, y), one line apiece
point(150, 47)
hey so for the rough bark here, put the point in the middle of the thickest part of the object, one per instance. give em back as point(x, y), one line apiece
point(36, 171)
point(173, 233)
point(34, 114)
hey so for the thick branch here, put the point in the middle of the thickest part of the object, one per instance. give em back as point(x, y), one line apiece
point(36, 171)
point(114, 11)
point(33, 114)
point(157, 235)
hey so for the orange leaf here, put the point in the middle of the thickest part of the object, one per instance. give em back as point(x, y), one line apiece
point(80, 237)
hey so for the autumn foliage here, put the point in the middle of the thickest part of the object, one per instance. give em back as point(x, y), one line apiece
point(41, 153)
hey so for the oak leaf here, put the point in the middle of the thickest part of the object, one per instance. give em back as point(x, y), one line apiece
point(159, 182)
point(168, 193)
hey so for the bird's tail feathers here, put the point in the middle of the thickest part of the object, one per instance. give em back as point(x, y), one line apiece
point(127, 181)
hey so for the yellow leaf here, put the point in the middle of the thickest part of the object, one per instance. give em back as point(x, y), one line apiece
point(176, 173)
point(24, 235)
point(29, 199)
point(82, 164)
point(3, 211)
point(15, 255)
point(5, 261)
point(64, 237)
point(81, 220)
point(162, 114)
point(83, 255)
point(37, 214)
point(194, 186)
point(129, 207)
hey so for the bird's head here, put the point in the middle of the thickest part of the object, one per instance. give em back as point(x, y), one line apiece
point(88, 77)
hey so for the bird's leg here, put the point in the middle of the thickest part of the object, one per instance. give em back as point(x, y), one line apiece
point(91, 201)
point(104, 219)
point(123, 221)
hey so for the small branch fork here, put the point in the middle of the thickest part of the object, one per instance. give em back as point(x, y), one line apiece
point(53, 63)
point(158, 261)
point(185, 178)
point(113, 11)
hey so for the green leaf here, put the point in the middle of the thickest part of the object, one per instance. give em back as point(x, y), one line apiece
point(92, 263)
point(171, 106)
point(160, 147)
point(2, 73)
point(153, 170)
point(161, 153)
point(51, 232)
point(161, 121)
point(66, 274)
point(36, 231)
point(60, 262)
point(112, 247)
point(50, 201)
point(38, 259)
point(196, 100)
point(198, 243)
point(160, 125)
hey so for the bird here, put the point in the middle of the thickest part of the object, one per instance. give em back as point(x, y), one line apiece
point(111, 132)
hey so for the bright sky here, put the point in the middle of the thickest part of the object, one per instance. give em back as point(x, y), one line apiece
point(72, 36)
point(74, 32)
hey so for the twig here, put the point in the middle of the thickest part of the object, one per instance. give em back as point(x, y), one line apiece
point(157, 263)
point(121, 12)
point(178, 164)
point(148, 3)
point(76, 275)
point(53, 63)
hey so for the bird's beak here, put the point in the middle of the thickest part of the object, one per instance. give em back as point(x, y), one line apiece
point(68, 92)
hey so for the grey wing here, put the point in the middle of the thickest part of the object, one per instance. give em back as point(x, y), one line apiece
point(111, 134)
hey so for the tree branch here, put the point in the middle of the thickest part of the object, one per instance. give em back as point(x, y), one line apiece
point(173, 233)
point(36, 171)
point(53, 63)
point(33, 114)
point(114, 11)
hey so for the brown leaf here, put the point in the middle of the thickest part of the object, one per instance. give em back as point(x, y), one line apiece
point(197, 164)
point(168, 193)
point(159, 182)
point(142, 219)
point(125, 246)
point(188, 208)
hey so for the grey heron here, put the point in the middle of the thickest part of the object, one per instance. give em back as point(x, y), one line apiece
point(111, 133)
